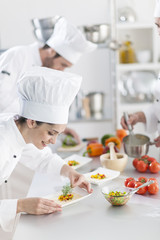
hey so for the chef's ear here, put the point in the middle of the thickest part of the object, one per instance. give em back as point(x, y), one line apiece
point(31, 123)
point(50, 52)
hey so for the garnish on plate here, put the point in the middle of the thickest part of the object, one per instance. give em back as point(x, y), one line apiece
point(66, 193)
point(73, 163)
point(98, 176)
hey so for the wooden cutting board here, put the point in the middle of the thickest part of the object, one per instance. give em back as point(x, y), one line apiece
point(72, 149)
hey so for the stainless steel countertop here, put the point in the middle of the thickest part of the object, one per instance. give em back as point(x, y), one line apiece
point(94, 218)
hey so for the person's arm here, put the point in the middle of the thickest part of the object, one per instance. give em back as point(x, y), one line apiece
point(37, 206)
point(8, 214)
point(133, 119)
point(73, 134)
point(76, 179)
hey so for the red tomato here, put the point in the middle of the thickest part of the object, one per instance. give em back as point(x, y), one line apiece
point(128, 180)
point(154, 179)
point(153, 188)
point(135, 162)
point(131, 184)
point(151, 159)
point(154, 167)
point(145, 157)
point(142, 190)
point(142, 179)
point(141, 166)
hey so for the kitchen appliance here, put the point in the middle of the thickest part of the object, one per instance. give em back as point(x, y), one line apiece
point(98, 33)
point(96, 102)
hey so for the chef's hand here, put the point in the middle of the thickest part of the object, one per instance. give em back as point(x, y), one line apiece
point(73, 134)
point(157, 140)
point(37, 206)
point(76, 179)
point(133, 119)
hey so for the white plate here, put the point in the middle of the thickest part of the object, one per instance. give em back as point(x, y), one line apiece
point(110, 174)
point(82, 160)
point(77, 192)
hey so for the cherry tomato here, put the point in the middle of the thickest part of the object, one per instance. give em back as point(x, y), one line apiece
point(141, 166)
point(151, 159)
point(131, 184)
point(135, 162)
point(128, 180)
point(153, 188)
point(154, 179)
point(142, 190)
point(154, 167)
point(142, 179)
point(145, 157)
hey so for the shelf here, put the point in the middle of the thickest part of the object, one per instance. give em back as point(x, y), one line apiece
point(136, 26)
point(92, 119)
point(138, 66)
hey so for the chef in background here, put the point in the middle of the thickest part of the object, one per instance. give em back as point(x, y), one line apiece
point(63, 49)
point(151, 116)
point(46, 96)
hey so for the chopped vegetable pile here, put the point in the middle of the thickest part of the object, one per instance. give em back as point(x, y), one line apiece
point(66, 193)
point(98, 176)
point(117, 198)
point(73, 163)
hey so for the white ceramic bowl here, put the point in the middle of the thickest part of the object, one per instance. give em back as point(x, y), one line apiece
point(119, 164)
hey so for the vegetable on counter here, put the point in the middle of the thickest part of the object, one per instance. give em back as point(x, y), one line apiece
point(94, 150)
point(116, 141)
point(106, 136)
point(145, 162)
point(121, 133)
point(133, 183)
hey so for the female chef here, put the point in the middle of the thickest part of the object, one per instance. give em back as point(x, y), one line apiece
point(151, 116)
point(46, 96)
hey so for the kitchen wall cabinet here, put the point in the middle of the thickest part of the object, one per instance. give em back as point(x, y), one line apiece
point(144, 36)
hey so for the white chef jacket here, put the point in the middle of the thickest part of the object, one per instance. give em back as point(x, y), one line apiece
point(13, 63)
point(13, 149)
point(152, 113)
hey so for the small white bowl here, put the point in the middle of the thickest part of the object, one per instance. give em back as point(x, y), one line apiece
point(119, 164)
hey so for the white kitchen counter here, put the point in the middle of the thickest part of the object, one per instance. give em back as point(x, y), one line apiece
point(94, 218)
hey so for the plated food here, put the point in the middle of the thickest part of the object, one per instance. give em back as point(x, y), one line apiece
point(98, 176)
point(68, 195)
point(77, 161)
point(101, 175)
point(70, 148)
point(73, 163)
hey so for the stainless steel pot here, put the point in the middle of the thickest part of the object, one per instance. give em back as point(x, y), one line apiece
point(136, 145)
point(98, 33)
point(96, 101)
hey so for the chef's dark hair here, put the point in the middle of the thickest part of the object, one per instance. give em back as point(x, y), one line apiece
point(22, 120)
point(46, 47)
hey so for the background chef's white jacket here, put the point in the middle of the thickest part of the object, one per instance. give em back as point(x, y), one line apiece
point(12, 149)
point(13, 63)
